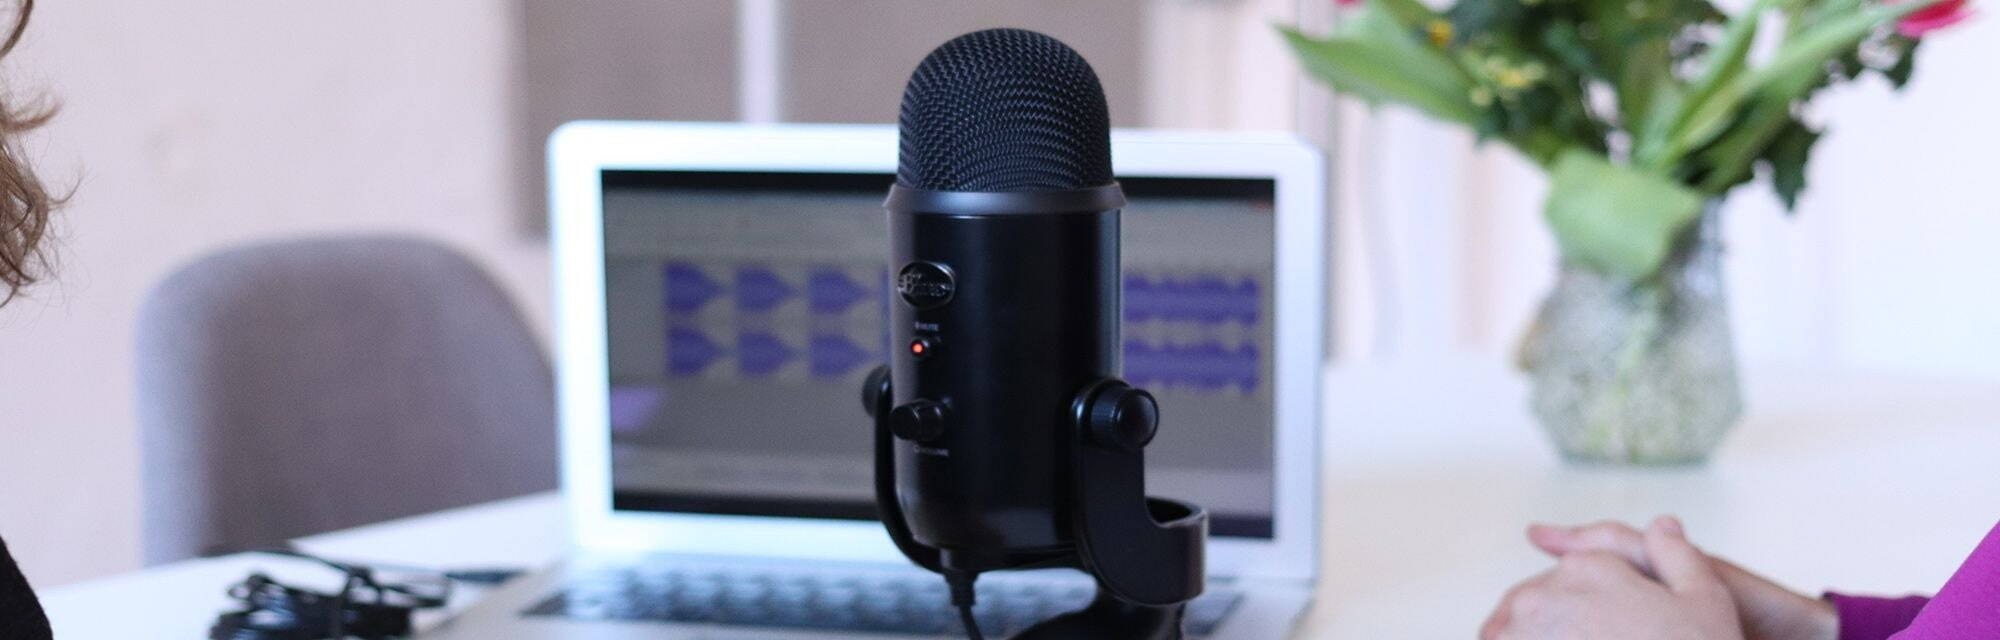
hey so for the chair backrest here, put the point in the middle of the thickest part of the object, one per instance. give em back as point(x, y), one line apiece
point(303, 386)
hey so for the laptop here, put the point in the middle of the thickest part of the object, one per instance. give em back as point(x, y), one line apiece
point(720, 299)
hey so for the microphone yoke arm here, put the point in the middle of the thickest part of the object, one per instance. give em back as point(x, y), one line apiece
point(1144, 551)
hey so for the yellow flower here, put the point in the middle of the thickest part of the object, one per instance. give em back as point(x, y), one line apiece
point(1481, 97)
point(1440, 32)
point(1512, 78)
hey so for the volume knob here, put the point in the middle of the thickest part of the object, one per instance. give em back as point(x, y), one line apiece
point(918, 421)
point(1123, 417)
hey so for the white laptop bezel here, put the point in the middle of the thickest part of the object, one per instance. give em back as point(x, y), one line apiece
point(580, 151)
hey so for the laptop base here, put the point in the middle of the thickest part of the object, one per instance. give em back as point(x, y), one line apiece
point(576, 601)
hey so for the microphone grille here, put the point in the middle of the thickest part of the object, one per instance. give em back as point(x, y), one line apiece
point(1004, 110)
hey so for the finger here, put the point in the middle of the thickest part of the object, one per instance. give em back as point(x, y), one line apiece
point(1552, 539)
point(1679, 564)
point(1608, 536)
point(1495, 622)
point(1502, 618)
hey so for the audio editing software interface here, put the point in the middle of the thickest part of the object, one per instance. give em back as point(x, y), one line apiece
point(745, 309)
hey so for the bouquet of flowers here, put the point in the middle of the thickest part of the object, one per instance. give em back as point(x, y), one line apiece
point(1643, 113)
point(1640, 110)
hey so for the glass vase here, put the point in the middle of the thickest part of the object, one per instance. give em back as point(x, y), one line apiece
point(1638, 373)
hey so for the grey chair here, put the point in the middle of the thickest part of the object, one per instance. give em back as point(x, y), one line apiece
point(296, 387)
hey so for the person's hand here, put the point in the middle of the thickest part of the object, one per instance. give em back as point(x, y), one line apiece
point(1601, 594)
point(1768, 611)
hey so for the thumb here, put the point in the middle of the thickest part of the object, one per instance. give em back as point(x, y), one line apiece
point(1679, 564)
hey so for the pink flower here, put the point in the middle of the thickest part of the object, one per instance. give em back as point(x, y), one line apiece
point(1346, 3)
point(1934, 17)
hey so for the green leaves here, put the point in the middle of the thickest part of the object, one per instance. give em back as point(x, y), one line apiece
point(1485, 17)
point(1809, 51)
point(1647, 71)
point(1787, 157)
point(1636, 45)
point(1411, 14)
point(1899, 71)
point(1673, 132)
point(1753, 106)
point(1560, 79)
point(1388, 67)
point(1615, 219)
point(1762, 100)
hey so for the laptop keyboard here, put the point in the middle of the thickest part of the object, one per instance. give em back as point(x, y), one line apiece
point(901, 603)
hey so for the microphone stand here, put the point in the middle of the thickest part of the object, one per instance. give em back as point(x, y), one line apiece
point(1147, 554)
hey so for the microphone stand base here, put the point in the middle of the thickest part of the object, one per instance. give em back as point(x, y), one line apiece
point(1109, 618)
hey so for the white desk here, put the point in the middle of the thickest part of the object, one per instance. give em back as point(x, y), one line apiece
point(1432, 471)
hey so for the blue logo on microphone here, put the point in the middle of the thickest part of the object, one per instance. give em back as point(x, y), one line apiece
point(925, 285)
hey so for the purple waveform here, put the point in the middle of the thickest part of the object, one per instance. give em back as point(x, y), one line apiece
point(688, 352)
point(829, 291)
point(688, 289)
point(1202, 298)
point(758, 290)
point(833, 355)
point(760, 354)
point(1208, 366)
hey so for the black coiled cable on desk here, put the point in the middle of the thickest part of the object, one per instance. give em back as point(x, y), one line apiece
point(366, 607)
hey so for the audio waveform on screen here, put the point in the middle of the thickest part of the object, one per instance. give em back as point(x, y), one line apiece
point(1184, 330)
point(688, 289)
point(761, 354)
point(1207, 366)
point(1200, 298)
point(758, 290)
point(691, 352)
point(830, 291)
point(834, 356)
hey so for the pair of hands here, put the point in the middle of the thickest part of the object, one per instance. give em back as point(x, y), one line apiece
point(1614, 581)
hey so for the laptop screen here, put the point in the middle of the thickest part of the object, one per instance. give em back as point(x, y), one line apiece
point(745, 309)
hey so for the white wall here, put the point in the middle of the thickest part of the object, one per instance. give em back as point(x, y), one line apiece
point(188, 126)
point(1913, 206)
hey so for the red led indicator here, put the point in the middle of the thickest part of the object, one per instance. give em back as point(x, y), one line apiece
point(917, 348)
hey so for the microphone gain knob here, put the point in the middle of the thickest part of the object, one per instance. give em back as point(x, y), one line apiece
point(1123, 417)
point(918, 421)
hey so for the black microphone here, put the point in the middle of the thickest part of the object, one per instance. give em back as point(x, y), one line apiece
point(1004, 227)
point(1005, 439)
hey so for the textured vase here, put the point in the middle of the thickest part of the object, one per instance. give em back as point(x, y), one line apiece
point(1639, 373)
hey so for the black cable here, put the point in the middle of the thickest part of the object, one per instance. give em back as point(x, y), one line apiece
point(274, 611)
point(973, 627)
point(366, 607)
point(962, 597)
point(481, 576)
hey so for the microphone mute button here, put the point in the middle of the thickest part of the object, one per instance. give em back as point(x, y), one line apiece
point(924, 347)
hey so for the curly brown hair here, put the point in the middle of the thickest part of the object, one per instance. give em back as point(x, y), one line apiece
point(25, 204)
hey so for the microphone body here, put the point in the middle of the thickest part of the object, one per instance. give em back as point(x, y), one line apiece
point(1007, 306)
point(1003, 436)
point(1004, 237)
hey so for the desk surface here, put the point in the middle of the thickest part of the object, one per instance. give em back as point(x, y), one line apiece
point(1868, 484)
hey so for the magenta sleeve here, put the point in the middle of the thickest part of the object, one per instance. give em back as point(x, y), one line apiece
point(1969, 604)
point(1868, 618)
